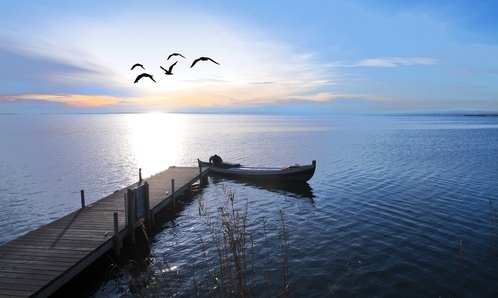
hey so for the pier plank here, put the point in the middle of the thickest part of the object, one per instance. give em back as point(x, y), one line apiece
point(41, 261)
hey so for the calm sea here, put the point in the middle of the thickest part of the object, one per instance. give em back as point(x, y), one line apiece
point(399, 205)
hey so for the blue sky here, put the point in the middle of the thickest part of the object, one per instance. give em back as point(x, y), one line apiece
point(274, 56)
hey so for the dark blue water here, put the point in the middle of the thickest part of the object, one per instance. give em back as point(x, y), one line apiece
point(399, 205)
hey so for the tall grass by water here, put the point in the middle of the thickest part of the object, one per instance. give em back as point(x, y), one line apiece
point(236, 260)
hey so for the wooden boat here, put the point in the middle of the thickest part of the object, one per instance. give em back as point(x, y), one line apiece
point(295, 173)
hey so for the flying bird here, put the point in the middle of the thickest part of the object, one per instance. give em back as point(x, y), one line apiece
point(203, 59)
point(137, 64)
point(144, 75)
point(175, 54)
point(169, 71)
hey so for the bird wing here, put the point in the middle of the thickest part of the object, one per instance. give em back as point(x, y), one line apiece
point(213, 61)
point(152, 78)
point(163, 68)
point(175, 54)
point(138, 78)
point(195, 61)
point(171, 67)
point(137, 64)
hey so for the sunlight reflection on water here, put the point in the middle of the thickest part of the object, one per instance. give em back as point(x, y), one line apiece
point(156, 140)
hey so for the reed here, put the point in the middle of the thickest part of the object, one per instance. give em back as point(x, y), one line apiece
point(144, 276)
point(235, 262)
point(243, 268)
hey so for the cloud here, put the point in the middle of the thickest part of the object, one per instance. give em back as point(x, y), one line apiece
point(71, 100)
point(395, 62)
point(327, 97)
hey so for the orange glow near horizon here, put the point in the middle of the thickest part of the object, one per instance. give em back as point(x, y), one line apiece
point(72, 100)
point(90, 101)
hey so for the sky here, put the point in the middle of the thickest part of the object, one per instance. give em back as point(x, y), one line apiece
point(354, 56)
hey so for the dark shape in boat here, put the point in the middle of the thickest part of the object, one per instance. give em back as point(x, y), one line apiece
point(203, 59)
point(291, 174)
point(144, 75)
point(170, 69)
point(136, 65)
point(175, 54)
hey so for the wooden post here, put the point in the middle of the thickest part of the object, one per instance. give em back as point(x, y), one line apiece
point(200, 174)
point(147, 205)
point(125, 197)
point(139, 176)
point(152, 219)
point(116, 234)
point(203, 180)
point(82, 199)
point(173, 192)
point(131, 214)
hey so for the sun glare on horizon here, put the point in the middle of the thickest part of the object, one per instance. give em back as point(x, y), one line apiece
point(155, 140)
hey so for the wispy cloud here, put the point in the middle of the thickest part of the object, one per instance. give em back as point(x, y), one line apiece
point(71, 100)
point(395, 62)
point(329, 97)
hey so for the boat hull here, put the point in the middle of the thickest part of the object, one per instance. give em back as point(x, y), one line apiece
point(288, 174)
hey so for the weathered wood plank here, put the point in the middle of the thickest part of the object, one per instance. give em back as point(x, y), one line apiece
point(52, 253)
point(53, 244)
point(16, 293)
point(18, 288)
point(24, 265)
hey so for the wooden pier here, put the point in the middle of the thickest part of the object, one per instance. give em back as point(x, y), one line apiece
point(40, 262)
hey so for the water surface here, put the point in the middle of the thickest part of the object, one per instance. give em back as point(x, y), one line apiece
point(398, 206)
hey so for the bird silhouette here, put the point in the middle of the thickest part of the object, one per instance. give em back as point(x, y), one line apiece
point(203, 59)
point(144, 75)
point(175, 54)
point(137, 64)
point(169, 71)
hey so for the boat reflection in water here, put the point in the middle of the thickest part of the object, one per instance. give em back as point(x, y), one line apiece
point(298, 190)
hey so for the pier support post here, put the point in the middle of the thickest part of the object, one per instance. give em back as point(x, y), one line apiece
point(152, 219)
point(200, 174)
point(203, 180)
point(82, 199)
point(147, 206)
point(173, 192)
point(116, 234)
point(131, 214)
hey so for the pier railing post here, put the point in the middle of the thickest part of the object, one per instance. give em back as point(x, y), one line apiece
point(173, 192)
point(139, 176)
point(200, 174)
point(82, 199)
point(116, 234)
